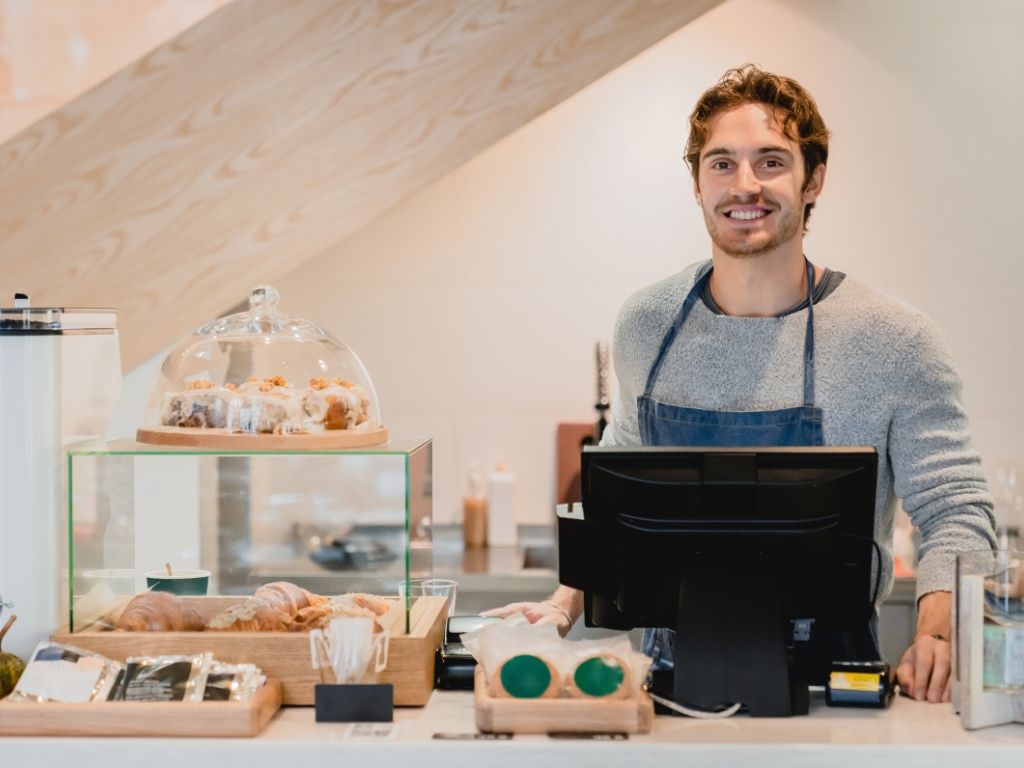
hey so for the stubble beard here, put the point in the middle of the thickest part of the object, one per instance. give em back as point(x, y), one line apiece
point(744, 246)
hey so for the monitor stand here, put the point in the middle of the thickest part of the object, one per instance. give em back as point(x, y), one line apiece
point(731, 642)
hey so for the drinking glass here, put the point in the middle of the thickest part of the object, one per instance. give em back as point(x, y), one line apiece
point(428, 587)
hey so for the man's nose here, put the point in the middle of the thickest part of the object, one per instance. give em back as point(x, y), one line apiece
point(745, 181)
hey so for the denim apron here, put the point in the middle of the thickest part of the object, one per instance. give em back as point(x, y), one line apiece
point(666, 424)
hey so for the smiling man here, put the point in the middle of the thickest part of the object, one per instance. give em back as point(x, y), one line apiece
point(757, 346)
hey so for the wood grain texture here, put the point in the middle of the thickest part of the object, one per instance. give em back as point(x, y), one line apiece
point(271, 131)
point(221, 719)
point(497, 715)
point(285, 655)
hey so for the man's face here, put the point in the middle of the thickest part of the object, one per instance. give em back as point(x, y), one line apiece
point(750, 182)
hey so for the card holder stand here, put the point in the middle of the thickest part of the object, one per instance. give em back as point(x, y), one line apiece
point(978, 706)
point(354, 703)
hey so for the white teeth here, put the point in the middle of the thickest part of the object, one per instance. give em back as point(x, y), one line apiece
point(746, 215)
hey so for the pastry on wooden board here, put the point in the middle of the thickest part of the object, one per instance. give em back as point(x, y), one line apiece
point(601, 676)
point(526, 676)
point(159, 612)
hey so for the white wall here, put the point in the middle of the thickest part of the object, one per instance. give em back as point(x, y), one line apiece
point(475, 303)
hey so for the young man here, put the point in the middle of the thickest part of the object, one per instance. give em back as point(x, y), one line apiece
point(760, 347)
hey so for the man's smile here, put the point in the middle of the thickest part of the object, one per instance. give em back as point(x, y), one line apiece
point(742, 213)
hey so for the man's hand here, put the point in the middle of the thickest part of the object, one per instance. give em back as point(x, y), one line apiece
point(536, 613)
point(924, 668)
point(561, 609)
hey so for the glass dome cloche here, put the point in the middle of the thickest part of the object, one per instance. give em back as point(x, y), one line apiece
point(262, 380)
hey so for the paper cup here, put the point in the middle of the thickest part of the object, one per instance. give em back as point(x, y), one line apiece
point(183, 582)
point(121, 581)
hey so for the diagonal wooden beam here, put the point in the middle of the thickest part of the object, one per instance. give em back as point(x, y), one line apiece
point(272, 130)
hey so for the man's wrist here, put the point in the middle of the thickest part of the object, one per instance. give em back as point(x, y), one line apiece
point(934, 615)
point(560, 609)
point(567, 600)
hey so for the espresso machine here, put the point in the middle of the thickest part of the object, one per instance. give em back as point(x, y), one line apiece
point(60, 378)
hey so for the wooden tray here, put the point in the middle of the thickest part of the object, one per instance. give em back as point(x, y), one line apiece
point(151, 718)
point(559, 715)
point(222, 440)
point(285, 655)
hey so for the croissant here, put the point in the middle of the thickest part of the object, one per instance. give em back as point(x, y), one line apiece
point(256, 614)
point(288, 596)
point(159, 612)
point(318, 617)
point(271, 609)
point(378, 605)
point(281, 606)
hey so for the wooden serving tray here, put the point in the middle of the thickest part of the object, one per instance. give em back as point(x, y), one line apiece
point(149, 718)
point(285, 655)
point(222, 440)
point(499, 715)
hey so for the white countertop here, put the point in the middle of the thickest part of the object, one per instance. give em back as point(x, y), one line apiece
point(917, 734)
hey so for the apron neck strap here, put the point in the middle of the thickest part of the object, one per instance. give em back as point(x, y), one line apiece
point(809, 338)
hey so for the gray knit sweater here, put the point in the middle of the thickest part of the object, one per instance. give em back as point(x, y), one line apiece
point(884, 378)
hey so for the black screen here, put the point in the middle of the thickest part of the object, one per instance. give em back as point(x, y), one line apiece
point(697, 539)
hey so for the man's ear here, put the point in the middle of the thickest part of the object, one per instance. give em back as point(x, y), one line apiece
point(815, 184)
point(696, 193)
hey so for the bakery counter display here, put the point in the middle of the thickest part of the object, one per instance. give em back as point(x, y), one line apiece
point(213, 527)
point(271, 629)
point(262, 379)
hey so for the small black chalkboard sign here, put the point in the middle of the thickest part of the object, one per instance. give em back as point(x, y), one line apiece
point(356, 703)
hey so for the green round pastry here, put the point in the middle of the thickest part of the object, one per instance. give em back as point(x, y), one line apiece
point(601, 676)
point(526, 677)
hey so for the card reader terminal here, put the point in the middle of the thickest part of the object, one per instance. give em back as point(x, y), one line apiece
point(859, 684)
point(454, 666)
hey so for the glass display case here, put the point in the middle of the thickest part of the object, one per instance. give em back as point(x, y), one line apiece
point(331, 521)
point(262, 379)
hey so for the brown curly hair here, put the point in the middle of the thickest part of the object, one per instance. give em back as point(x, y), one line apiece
point(791, 104)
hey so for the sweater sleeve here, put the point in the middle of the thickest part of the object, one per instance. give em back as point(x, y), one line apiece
point(936, 471)
point(623, 427)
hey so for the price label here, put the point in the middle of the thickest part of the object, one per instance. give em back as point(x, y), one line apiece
point(473, 736)
point(371, 731)
point(591, 736)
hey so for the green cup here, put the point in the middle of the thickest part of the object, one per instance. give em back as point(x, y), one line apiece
point(181, 582)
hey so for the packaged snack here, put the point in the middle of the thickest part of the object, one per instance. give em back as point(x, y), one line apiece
point(232, 682)
point(523, 660)
point(166, 678)
point(58, 672)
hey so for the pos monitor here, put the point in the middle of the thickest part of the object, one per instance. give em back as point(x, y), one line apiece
point(760, 559)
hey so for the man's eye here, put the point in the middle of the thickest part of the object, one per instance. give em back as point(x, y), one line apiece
point(772, 164)
point(721, 165)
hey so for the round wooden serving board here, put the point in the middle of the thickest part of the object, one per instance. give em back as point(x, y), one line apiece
point(218, 439)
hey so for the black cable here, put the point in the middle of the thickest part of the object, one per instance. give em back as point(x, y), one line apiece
point(878, 567)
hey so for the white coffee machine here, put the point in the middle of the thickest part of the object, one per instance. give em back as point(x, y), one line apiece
point(60, 378)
